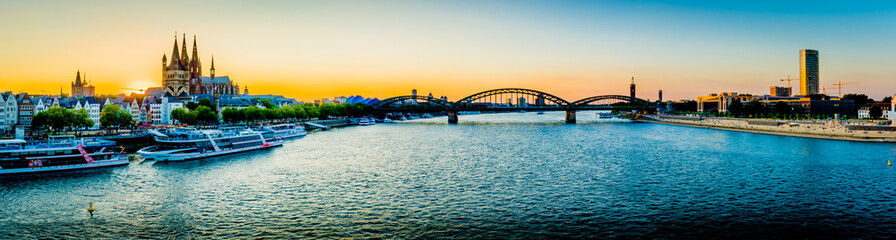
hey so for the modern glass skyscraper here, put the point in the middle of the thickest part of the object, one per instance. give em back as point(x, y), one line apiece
point(808, 71)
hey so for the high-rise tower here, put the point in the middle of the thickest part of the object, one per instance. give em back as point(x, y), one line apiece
point(808, 71)
point(633, 87)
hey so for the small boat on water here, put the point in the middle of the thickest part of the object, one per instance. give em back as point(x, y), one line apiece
point(604, 115)
point(58, 153)
point(540, 113)
point(387, 120)
point(426, 115)
point(283, 131)
point(412, 117)
point(179, 144)
point(365, 121)
point(403, 118)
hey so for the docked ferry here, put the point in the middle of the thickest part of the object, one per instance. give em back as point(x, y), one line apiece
point(58, 153)
point(282, 131)
point(179, 144)
point(365, 121)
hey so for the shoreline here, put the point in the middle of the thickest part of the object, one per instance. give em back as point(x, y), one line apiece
point(774, 130)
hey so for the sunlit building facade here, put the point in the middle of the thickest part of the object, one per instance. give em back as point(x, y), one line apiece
point(808, 71)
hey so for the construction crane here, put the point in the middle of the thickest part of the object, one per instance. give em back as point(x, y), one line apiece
point(840, 87)
point(788, 79)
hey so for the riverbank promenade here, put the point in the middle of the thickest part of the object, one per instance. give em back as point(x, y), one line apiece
point(811, 129)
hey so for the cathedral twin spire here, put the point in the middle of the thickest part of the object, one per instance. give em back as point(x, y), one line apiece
point(179, 58)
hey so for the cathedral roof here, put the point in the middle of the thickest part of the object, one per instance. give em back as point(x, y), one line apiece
point(217, 79)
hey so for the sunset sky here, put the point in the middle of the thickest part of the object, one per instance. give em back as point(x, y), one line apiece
point(573, 49)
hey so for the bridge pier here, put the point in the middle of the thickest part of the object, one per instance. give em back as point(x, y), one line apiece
point(570, 116)
point(452, 117)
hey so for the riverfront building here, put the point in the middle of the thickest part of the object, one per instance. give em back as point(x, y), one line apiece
point(808, 72)
point(799, 105)
point(780, 91)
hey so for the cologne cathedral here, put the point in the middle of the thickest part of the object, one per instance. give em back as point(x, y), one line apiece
point(183, 75)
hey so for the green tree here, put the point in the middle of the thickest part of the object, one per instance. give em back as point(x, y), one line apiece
point(232, 115)
point(311, 110)
point(875, 111)
point(782, 108)
point(254, 114)
point(736, 108)
point(327, 110)
point(859, 100)
point(114, 116)
point(299, 111)
point(271, 114)
point(755, 108)
point(81, 119)
point(267, 103)
point(887, 99)
point(179, 115)
point(205, 115)
point(208, 103)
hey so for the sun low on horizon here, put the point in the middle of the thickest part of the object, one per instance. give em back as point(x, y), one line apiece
point(323, 49)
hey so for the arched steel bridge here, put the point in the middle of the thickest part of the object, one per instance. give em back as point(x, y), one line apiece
point(491, 100)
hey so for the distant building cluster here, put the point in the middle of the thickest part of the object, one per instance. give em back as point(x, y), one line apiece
point(182, 82)
point(811, 99)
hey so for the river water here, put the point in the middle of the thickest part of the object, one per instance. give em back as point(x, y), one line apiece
point(512, 175)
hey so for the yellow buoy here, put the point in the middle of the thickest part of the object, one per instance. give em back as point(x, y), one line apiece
point(90, 209)
point(888, 163)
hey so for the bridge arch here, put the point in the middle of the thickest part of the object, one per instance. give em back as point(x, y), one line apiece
point(585, 101)
point(463, 102)
point(439, 103)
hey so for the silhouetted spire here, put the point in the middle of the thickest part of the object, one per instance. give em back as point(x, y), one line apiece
point(186, 59)
point(195, 50)
point(78, 78)
point(212, 72)
point(175, 56)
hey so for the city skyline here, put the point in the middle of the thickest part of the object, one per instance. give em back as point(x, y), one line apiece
point(313, 50)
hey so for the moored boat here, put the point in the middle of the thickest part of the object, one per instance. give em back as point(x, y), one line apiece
point(283, 131)
point(179, 144)
point(58, 153)
point(365, 121)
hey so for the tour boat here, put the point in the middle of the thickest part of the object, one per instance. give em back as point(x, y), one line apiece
point(366, 121)
point(179, 144)
point(604, 115)
point(283, 131)
point(387, 120)
point(58, 153)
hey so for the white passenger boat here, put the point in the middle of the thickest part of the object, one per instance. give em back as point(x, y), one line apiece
point(365, 121)
point(387, 120)
point(283, 131)
point(179, 144)
point(58, 153)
